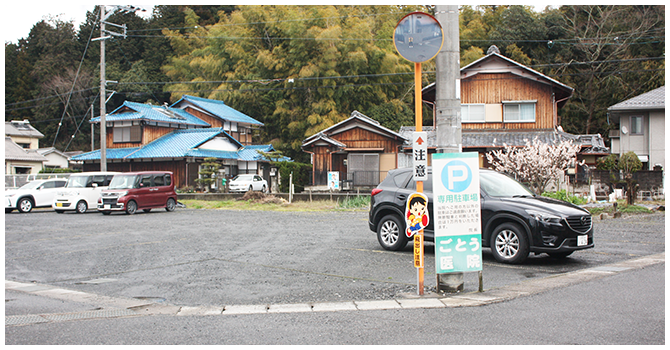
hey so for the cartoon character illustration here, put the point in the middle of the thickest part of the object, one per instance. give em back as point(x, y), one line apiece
point(417, 213)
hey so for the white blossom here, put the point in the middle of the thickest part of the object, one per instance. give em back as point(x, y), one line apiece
point(536, 164)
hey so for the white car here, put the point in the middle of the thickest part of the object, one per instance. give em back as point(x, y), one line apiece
point(81, 192)
point(35, 194)
point(248, 182)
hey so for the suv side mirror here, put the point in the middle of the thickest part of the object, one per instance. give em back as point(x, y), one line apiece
point(94, 185)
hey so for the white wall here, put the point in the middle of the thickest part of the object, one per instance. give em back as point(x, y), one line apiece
point(656, 138)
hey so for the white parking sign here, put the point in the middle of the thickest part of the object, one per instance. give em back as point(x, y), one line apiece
point(456, 212)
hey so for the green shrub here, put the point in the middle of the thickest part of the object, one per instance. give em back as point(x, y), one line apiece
point(300, 175)
point(565, 196)
point(58, 171)
point(357, 202)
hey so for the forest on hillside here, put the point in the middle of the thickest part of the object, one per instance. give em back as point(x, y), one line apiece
point(300, 69)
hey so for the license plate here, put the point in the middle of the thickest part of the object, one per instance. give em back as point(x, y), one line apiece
point(59, 204)
point(106, 206)
point(582, 240)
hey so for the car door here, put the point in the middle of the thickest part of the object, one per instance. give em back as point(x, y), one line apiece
point(145, 191)
point(45, 194)
point(257, 183)
point(160, 191)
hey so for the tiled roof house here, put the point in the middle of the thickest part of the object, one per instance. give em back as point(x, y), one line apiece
point(178, 138)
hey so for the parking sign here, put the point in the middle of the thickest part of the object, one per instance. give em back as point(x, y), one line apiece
point(456, 212)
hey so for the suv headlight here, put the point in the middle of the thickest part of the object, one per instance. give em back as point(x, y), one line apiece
point(544, 217)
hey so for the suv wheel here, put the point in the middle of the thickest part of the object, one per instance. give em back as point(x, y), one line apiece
point(25, 205)
point(390, 233)
point(509, 243)
point(81, 207)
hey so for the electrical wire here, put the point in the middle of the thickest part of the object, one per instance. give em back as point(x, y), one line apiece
point(67, 103)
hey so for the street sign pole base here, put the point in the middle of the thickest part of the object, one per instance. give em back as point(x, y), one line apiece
point(450, 282)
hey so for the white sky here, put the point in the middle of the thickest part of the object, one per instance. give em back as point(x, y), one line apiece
point(19, 17)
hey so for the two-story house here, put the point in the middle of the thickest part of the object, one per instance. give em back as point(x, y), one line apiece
point(22, 141)
point(506, 103)
point(641, 127)
point(178, 138)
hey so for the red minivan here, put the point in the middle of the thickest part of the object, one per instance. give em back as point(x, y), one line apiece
point(135, 191)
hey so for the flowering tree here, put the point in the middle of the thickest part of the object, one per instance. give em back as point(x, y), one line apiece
point(536, 164)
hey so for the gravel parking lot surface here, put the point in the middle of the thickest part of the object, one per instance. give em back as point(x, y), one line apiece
point(214, 257)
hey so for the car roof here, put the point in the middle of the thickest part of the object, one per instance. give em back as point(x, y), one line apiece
point(146, 172)
point(89, 173)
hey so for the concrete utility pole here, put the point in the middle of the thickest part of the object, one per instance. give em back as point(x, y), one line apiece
point(103, 86)
point(448, 107)
point(104, 35)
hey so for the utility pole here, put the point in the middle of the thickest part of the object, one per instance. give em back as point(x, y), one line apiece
point(103, 86)
point(448, 107)
point(104, 35)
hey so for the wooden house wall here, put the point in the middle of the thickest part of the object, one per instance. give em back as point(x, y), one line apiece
point(149, 133)
point(495, 88)
point(245, 139)
point(321, 158)
point(361, 138)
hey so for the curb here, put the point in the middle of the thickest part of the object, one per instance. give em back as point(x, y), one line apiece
point(128, 307)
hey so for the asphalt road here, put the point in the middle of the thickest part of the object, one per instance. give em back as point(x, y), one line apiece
point(200, 258)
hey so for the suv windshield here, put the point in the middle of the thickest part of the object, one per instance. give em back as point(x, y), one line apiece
point(122, 182)
point(500, 185)
point(30, 185)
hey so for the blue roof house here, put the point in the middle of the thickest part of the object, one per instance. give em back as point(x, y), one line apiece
point(178, 138)
point(218, 114)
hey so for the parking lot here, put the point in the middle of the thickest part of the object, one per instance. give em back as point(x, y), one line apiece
point(211, 257)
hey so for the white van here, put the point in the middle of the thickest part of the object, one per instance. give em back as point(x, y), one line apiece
point(82, 191)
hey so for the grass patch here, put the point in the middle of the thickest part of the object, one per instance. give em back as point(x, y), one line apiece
point(325, 205)
point(268, 202)
point(358, 202)
point(623, 208)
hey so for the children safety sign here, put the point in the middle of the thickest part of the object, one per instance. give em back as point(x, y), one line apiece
point(457, 212)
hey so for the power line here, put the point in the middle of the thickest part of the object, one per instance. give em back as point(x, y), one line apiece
point(328, 78)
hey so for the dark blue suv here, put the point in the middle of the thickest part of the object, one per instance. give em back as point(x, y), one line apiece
point(515, 221)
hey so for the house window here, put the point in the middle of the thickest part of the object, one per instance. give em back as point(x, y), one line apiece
point(523, 112)
point(473, 113)
point(128, 133)
point(636, 125)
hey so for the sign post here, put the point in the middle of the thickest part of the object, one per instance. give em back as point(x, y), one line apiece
point(456, 211)
point(418, 37)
